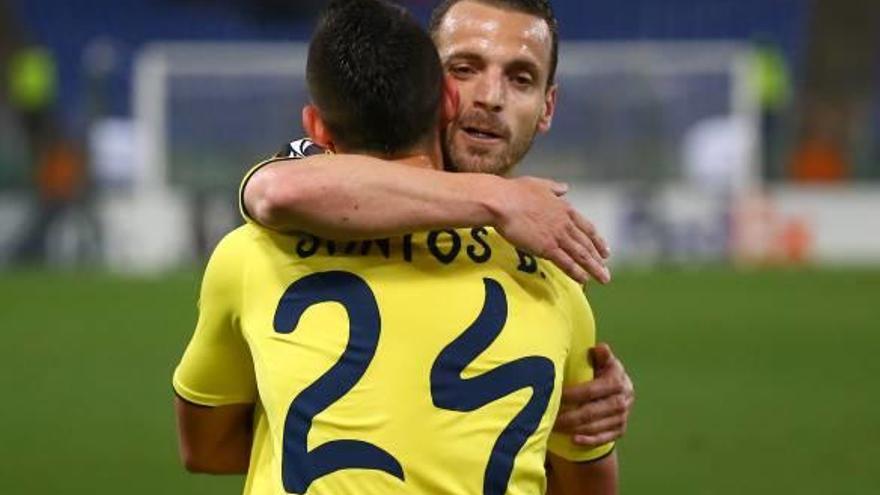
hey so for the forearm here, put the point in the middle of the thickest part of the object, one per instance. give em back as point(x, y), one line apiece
point(222, 458)
point(599, 477)
point(214, 440)
point(354, 197)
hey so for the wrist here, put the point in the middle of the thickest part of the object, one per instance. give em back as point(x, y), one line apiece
point(493, 195)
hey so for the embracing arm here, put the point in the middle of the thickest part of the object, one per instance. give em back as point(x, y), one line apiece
point(214, 440)
point(597, 412)
point(354, 196)
point(351, 196)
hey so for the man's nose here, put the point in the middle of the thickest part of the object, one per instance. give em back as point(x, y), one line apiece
point(490, 91)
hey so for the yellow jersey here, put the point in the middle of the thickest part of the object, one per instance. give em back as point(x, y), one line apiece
point(430, 363)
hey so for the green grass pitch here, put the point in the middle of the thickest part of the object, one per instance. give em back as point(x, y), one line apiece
point(748, 382)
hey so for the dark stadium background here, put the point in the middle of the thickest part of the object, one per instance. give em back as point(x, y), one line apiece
point(755, 376)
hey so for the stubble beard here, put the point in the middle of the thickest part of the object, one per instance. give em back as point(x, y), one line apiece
point(474, 160)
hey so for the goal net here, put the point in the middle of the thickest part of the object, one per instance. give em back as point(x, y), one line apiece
point(648, 133)
point(627, 111)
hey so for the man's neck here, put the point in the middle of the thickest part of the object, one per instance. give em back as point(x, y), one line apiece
point(428, 156)
point(420, 161)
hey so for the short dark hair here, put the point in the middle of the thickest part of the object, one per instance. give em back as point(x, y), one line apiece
point(537, 8)
point(375, 76)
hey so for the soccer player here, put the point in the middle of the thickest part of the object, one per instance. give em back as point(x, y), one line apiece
point(405, 365)
point(502, 56)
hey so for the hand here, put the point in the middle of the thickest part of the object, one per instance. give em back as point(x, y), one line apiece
point(596, 412)
point(535, 218)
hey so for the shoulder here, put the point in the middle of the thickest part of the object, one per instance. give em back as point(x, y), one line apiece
point(238, 238)
point(233, 249)
point(572, 295)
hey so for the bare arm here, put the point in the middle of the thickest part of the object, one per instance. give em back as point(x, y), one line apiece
point(214, 440)
point(352, 197)
point(598, 477)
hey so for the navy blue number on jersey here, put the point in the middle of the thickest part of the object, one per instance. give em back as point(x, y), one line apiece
point(450, 391)
point(300, 467)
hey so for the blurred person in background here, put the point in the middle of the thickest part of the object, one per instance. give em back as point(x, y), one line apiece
point(839, 83)
point(60, 178)
point(57, 164)
point(32, 88)
point(772, 84)
point(474, 434)
point(502, 55)
point(819, 158)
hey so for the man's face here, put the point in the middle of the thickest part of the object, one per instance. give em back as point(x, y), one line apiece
point(500, 60)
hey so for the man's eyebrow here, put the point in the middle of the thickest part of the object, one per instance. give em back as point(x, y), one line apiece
point(525, 64)
point(464, 55)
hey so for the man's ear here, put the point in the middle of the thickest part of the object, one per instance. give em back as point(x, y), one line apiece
point(451, 101)
point(315, 127)
point(546, 119)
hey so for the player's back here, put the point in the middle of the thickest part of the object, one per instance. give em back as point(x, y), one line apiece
point(425, 364)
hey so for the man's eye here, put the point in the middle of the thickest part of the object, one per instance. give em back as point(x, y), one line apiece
point(522, 80)
point(461, 70)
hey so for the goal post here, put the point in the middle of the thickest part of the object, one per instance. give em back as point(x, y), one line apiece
point(205, 110)
point(647, 118)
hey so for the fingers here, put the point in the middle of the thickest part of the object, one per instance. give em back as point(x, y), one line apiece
point(587, 247)
point(604, 425)
point(590, 441)
point(598, 388)
point(611, 368)
point(566, 422)
point(607, 368)
point(567, 264)
point(559, 188)
point(596, 412)
point(589, 229)
point(581, 238)
point(600, 357)
point(589, 417)
point(581, 249)
point(569, 238)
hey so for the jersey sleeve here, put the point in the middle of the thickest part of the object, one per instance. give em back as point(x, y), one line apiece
point(216, 368)
point(293, 150)
point(578, 370)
